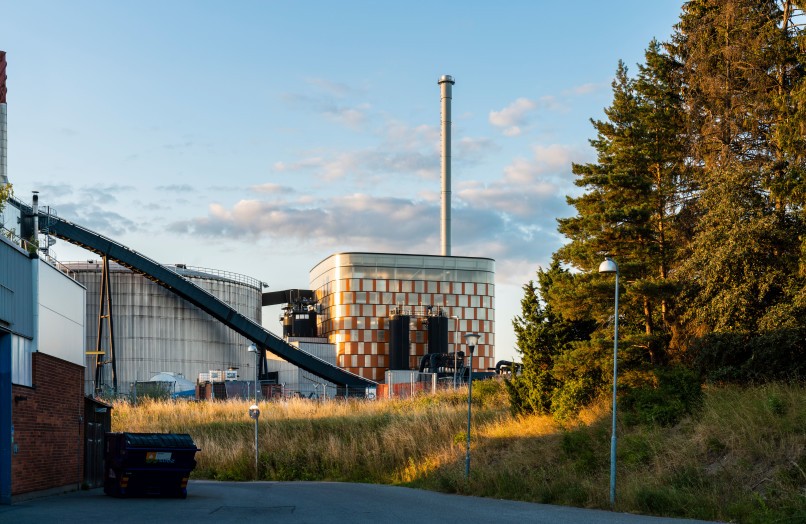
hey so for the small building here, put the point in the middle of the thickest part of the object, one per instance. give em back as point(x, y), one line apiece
point(42, 344)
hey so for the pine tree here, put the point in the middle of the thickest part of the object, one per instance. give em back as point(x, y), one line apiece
point(634, 193)
point(739, 67)
point(541, 336)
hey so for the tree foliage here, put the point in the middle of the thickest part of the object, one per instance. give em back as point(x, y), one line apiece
point(541, 335)
point(698, 192)
point(6, 191)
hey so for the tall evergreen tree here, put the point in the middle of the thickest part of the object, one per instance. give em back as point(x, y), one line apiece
point(634, 193)
point(738, 66)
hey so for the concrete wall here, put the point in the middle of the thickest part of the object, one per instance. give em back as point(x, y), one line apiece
point(48, 428)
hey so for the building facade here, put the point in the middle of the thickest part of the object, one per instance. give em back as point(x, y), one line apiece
point(360, 292)
point(42, 347)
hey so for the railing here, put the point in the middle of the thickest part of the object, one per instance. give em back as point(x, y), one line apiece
point(419, 311)
point(30, 247)
point(204, 272)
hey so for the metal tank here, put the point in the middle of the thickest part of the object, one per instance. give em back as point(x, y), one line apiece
point(155, 331)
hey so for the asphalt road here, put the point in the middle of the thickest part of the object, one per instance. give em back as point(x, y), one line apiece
point(303, 502)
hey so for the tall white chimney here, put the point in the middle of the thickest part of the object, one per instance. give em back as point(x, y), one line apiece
point(3, 122)
point(446, 84)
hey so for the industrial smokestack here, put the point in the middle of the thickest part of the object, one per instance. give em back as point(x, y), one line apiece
point(446, 84)
point(35, 215)
point(3, 122)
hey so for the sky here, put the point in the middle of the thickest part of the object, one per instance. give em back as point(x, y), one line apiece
point(260, 137)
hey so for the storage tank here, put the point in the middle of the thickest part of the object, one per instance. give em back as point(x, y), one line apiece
point(157, 331)
point(399, 343)
point(437, 334)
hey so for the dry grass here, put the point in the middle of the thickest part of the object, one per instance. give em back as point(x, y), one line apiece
point(741, 459)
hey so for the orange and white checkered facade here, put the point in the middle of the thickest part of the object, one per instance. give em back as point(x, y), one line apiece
point(359, 291)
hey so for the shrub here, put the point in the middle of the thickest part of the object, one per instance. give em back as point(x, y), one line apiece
point(571, 396)
point(742, 358)
point(678, 393)
point(490, 392)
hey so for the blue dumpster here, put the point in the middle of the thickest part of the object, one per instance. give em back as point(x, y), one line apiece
point(148, 464)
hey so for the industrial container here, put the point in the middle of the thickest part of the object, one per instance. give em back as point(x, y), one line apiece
point(143, 464)
point(437, 334)
point(399, 342)
point(157, 331)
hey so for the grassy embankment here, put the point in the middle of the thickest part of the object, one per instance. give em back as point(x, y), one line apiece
point(742, 459)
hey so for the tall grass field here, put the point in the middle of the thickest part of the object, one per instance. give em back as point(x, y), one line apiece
point(741, 458)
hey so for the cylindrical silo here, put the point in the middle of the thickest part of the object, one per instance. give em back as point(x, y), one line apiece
point(399, 344)
point(156, 331)
point(437, 334)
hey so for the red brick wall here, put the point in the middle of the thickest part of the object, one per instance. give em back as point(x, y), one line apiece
point(48, 427)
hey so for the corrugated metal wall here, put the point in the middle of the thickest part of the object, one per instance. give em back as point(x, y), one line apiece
point(157, 331)
point(16, 297)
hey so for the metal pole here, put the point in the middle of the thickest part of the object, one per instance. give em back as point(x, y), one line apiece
point(454, 366)
point(257, 357)
point(613, 432)
point(446, 94)
point(455, 350)
point(469, 404)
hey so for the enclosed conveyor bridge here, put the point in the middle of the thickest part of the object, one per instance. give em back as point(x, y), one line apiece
point(197, 296)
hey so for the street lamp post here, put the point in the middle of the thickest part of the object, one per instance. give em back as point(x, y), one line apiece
point(472, 340)
point(455, 349)
point(254, 411)
point(609, 266)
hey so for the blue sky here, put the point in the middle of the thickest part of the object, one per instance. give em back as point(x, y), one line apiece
point(262, 136)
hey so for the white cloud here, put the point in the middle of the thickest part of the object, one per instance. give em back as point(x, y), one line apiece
point(334, 88)
point(402, 150)
point(588, 88)
point(516, 213)
point(270, 188)
point(352, 117)
point(301, 165)
point(511, 118)
point(332, 100)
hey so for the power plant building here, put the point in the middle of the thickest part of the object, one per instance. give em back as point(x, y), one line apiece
point(366, 298)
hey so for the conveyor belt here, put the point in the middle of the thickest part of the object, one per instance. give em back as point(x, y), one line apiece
point(197, 296)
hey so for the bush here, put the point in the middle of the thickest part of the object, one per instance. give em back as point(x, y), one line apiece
point(572, 396)
point(678, 393)
point(490, 392)
point(742, 358)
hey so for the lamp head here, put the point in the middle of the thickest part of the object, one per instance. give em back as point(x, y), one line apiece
point(254, 412)
point(608, 266)
point(472, 340)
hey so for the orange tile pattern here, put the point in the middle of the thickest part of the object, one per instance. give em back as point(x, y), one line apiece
point(356, 313)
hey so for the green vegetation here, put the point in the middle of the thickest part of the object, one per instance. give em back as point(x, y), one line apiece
point(6, 192)
point(742, 458)
point(698, 193)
